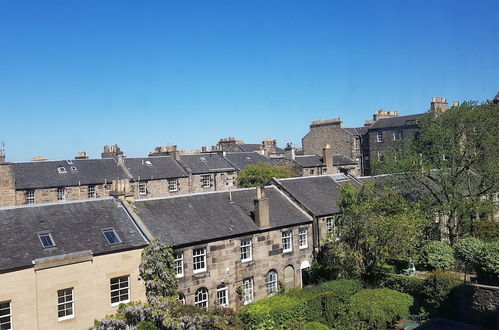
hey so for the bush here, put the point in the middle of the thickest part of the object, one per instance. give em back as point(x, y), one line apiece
point(342, 290)
point(436, 289)
point(469, 250)
point(487, 230)
point(437, 255)
point(375, 309)
point(488, 264)
point(406, 284)
point(146, 325)
point(314, 326)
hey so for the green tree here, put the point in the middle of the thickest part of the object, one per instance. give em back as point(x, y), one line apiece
point(437, 255)
point(469, 250)
point(158, 272)
point(451, 165)
point(260, 174)
point(377, 224)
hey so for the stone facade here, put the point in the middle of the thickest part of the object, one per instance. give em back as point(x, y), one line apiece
point(330, 132)
point(7, 185)
point(218, 181)
point(50, 195)
point(225, 268)
point(161, 188)
point(32, 292)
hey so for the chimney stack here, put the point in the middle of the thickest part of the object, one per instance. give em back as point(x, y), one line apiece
point(455, 104)
point(82, 155)
point(2, 156)
point(262, 217)
point(327, 154)
point(289, 151)
point(112, 152)
point(439, 103)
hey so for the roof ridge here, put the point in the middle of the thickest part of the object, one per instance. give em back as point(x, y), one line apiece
point(99, 199)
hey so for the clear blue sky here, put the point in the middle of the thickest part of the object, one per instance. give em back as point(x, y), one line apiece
point(76, 75)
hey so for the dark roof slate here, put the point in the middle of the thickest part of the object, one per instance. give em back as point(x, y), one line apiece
point(249, 147)
point(399, 121)
point(339, 160)
point(149, 168)
point(318, 194)
point(356, 130)
point(190, 219)
point(45, 174)
point(309, 160)
point(241, 159)
point(206, 163)
point(74, 226)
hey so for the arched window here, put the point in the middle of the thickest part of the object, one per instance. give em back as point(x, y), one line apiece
point(289, 277)
point(272, 285)
point(181, 298)
point(201, 298)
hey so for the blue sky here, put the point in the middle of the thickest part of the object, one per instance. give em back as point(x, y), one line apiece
point(76, 75)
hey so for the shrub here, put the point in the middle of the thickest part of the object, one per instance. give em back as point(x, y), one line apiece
point(406, 284)
point(375, 308)
point(314, 326)
point(437, 255)
point(436, 289)
point(469, 250)
point(487, 230)
point(146, 325)
point(342, 290)
point(488, 264)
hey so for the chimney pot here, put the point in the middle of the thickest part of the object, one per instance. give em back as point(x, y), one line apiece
point(262, 215)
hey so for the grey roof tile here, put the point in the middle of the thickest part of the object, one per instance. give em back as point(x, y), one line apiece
point(241, 159)
point(45, 174)
point(149, 168)
point(309, 160)
point(190, 219)
point(250, 147)
point(74, 226)
point(399, 121)
point(206, 163)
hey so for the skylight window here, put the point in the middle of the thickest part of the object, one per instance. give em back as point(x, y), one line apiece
point(69, 161)
point(203, 159)
point(73, 168)
point(148, 163)
point(61, 170)
point(111, 236)
point(339, 177)
point(46, 240)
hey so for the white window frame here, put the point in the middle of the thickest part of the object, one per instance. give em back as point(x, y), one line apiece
point(50, 238)
point(198, 259)
point(303, 238)
point(248, 293)
point(142, 188)
point(30, 196)
point(61, 194)
point(271, 281)
point(181, 298)
point(287, 241)
point(397, 135)
point(379, 137)
point(172, 185)
point(204, 301)
point(223, 295)
point(330, 224)
point(7, 318)
point(63, 306)
point(206, 181)
point(312, 171)
point(122, 286)
point(91, 191)
point(246, 250)
point(179, 264)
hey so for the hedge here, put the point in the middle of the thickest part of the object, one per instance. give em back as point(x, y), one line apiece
point(405, 284)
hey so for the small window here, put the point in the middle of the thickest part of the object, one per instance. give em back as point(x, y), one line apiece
point(287, 243)
point(312, 172)
point(91, 192)
point(272, 284)
point(142, 188)
point(329, 224)
point(30, 197)
point(202, 159)
point(380, 156)
point(74, 169)
point(302, 235)
point(65, 304)
point(246, 252)
point(179, 264)
point(120, 290)
point(379, 137)
point(69, 161)
point(206, 181)
point(148, 163)
point(172, 185)
point(223, 296)
point(201, 298)
point(397, 135)
point(247, 291)
point(5, 315)
point(61, 170)
point(181, 298)
point(199, 260)
point(111, 236)
point(46, 240)
point(61, 194)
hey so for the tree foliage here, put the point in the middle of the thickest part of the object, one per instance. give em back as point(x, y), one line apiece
point(377, 224)
point(437, 255)
point(451, 164)
point(157, 271)
point(260, 174)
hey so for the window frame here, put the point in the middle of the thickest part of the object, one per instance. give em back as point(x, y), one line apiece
point(397, 135)
point(173, 185)
point(7, 318)
point(181, 298)
point(64, 303)
point(91, 191)
point(30, 196)
point(178, 266)
point(303, 232)
point(142, 187)
point(225, 290)
point(246, 249)
point(272, 285)
point(105, 230)
point(197, 302)
point(248, 291)
point(61, 197)
point(46, 233)
point(196, 261)
point(329, 224)
point(379, 136)
point(285, 238)
point(203, 181)
point(119, 289)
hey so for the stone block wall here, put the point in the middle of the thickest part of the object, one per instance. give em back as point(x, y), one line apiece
point(49, 195)
point(160, 188)
point(224, 265)
point(219, 181)
point(340, 140)
point(7, 186)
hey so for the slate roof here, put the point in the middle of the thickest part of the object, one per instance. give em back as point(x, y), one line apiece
point(74, 226)
point(399, 121)
point(249, 147)
point(196, 218)
point(44, 174)
point(206, 163)
point(356, 130)
point(241, 159)
point(162, 167)
point(339, 160)
point(318, 194)
point(309, 160)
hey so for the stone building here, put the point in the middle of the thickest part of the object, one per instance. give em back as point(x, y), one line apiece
point(208, 172)
point(64, 265)
point(267, 148)
point(232, 247)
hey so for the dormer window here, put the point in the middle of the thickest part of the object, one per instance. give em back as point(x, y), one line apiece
point(46, 240)
point(111, 236)
point(61, 170)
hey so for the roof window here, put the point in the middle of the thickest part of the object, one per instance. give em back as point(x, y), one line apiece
point(339, 177)
point(61, 170)
point(46, 240)
point(203, 159)
point(148, 163)
point(111, 236)
point(69, 161)
point(73, 168)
